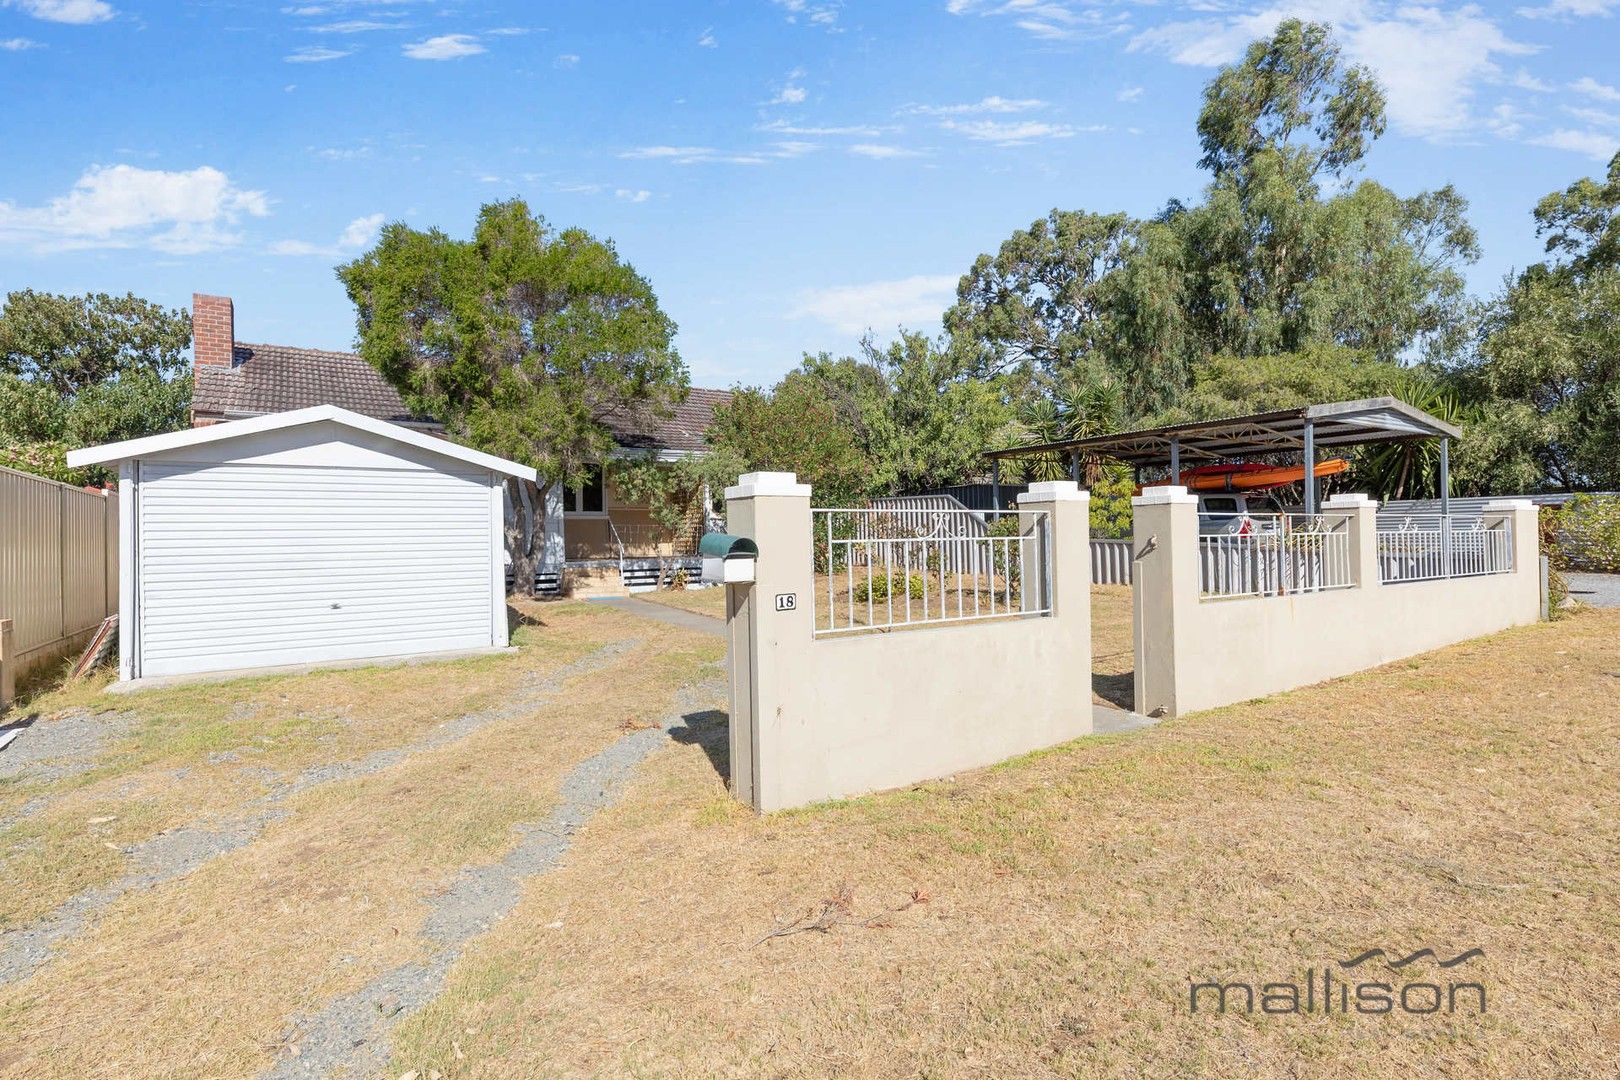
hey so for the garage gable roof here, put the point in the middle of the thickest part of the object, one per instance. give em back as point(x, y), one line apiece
point(235, 429)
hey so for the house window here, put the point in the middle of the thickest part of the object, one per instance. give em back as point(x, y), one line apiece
point(587, 498)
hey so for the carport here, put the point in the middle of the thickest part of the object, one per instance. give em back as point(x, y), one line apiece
point(1282, 432)
point(304, 537)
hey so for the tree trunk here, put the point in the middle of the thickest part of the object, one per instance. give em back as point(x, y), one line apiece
point(525, 532)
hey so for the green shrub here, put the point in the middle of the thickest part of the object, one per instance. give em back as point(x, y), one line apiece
point(878, 587)
point(1551, 522)
point(1589, 533)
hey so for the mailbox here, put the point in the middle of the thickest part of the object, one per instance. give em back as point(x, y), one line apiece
point(727, 559)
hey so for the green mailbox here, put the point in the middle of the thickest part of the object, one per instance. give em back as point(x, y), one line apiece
point(727, 559)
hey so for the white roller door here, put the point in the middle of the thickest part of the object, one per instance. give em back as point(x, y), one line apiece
point(253, 565)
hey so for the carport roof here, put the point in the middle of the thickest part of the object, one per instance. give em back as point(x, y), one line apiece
point(236, 429)
point(1338, 423)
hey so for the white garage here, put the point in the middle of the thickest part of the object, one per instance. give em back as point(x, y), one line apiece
point(304, 537)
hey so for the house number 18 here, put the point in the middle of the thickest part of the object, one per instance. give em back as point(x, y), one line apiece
point(786, 601)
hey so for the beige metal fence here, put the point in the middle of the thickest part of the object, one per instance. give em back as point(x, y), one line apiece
point(58, 565)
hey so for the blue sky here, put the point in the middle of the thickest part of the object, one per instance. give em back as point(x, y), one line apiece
point(786, 172)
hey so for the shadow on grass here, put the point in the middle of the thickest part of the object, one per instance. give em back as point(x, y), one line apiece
point(1117, 690)
point(711, 730)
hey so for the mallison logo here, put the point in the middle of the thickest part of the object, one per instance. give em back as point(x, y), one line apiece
point(1320, 992)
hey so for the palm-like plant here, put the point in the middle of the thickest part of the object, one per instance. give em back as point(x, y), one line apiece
point(1079, 408)
point(1411, 470)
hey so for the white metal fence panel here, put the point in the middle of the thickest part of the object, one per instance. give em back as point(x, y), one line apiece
point(1110, 562)
point(1448, 548)
point(1273, 555)
point(878, 569)
point(58, 561)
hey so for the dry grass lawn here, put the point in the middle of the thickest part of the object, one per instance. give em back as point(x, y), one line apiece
point(200, 976)
point(1040, 918)
point(1045, 918)
point(711, 602)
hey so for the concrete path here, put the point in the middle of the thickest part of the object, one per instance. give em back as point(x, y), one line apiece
point(1107, 720)
point(688, 620)
point(1599, 590)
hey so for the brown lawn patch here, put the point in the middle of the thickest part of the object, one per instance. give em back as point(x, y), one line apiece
point(201, 976)
point(1047, 917)
point(1113, 655)
point(711, 602)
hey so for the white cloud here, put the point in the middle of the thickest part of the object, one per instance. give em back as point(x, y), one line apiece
point(695, 155)
point(1523, 80)
point(854, 309)
point(1014, 132)
point(707, 39)
point(444, 47)
point(1592, 88)
point(78, 12)
point(868, 131)
point(882, 151)
point(634, 195)
point(991, 104)
point(1132, 93)
point(1566, 9)
point(19, 44)
point(1597, 117)
point(823, 13)
point(356, 236)
point(789, 96)
point(122, 206)
point(1594, 144)
point(566, 61)
point(1052, 20)
point(357, 26)
point(1429, 60)
point(316, 54)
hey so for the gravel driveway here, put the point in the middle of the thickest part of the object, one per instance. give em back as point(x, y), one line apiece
point(1599, 590)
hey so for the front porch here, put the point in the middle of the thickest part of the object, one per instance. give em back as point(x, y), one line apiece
point(613, 544)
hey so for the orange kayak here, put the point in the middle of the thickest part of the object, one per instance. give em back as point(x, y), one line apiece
point(1250, 477)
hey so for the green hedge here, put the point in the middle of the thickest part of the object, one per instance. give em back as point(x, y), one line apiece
point(1589, 533)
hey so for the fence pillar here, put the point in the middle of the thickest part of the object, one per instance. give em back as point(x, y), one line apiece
point(1362, 510)
point(1068, 539)
point(1525, 521)
point(1164, 580)
point(773, 510)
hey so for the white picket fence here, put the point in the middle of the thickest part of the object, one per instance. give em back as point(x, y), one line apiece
point(58, 565)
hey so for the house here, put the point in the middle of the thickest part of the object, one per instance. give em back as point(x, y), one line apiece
point(595, 540)
point(304, 537)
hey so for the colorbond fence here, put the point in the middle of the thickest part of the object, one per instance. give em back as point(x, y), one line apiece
point(58, 564)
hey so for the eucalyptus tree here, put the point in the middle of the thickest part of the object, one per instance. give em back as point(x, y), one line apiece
point(1283, 252)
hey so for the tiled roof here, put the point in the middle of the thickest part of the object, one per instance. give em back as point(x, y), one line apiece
point(682, 431)
point(274, 378)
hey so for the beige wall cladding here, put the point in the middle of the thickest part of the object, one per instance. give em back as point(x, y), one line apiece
point(58, 564)
point(822, 718)
point(1194, 653)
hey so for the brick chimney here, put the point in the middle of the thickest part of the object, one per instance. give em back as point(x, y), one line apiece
point(213, 330)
